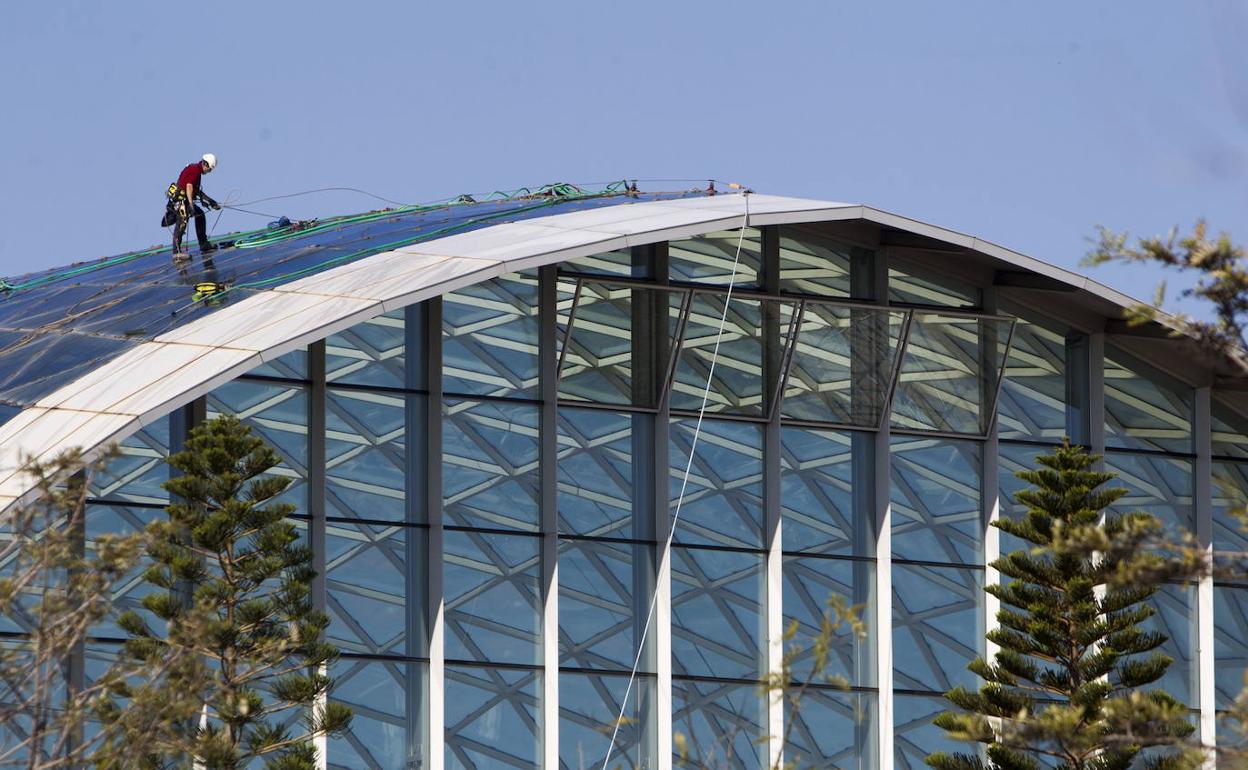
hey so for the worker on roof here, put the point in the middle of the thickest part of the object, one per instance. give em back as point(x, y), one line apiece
point(183, 196)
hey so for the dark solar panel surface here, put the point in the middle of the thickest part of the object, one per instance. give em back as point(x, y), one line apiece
point(67, 324)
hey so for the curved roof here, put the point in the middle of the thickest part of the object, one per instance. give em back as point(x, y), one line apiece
point(111, 346)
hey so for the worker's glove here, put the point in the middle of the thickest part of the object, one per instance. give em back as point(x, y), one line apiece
point(213, 204)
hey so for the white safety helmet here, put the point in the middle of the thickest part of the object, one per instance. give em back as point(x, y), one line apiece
point(211, 160)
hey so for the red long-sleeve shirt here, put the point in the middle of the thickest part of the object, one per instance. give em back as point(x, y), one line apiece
point(191, 175)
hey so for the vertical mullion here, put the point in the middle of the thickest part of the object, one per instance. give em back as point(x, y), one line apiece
point(1095, 378)
point(773, 356)
point(420, 732)
point(548, 456)
point(879, 475)
point(316, 506)
point(662, 624)
point(1202, 427)
point(432, 360)
point(990, 487)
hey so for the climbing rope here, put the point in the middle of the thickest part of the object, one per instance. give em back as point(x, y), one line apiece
point(666, 556)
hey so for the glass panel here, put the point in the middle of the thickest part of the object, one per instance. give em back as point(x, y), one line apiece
point(1230, 501)
point(1161, 486)
point(906, 287)
point(1033, 393)
point(717, 613)
point(493, 597)
point(618, 262)
point(138, 470)
point(1230, 636)
point(493, 720)
point(843, 364)
point(808, 584)
point(289, 366)
point(589, 706)
point(723, 502)
point(598, 488)
point(709, 258)
point(605, 592)
point(936, 500)
point(723, 725)
point(813, 263)
point(1176, 618)
point(389, 700)
point(366, 454)
point(937, 626)
point(1143, 412)
point(279, 415)
point(128, 593)
point(751, 347)
point(1230, 432)
point(949, 373)
point(914, 735)
point(489, 337)
point(816, 494)
point(619, 351)
point(832, 729)
point(489, 465)
point(369, 353)
point(373, 609)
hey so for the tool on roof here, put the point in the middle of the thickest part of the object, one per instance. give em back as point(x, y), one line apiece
point(209, 292)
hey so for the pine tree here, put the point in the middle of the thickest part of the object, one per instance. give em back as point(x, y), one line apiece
point(1065, 689)
point(237, 592)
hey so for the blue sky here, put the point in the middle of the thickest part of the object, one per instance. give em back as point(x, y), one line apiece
point(1023, 123)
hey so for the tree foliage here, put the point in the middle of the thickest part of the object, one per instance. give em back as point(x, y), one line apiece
point(54, 591)
point(236, 593)
point(1067, 687)
point(1221, 280)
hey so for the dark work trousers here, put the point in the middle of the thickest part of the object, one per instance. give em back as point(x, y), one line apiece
point(179, 228)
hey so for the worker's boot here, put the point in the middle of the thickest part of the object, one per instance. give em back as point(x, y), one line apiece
point(206, 247)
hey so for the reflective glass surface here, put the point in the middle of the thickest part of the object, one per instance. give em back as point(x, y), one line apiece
point(722, 724)
point(949, 373)
point(809, 583)
point(1161, 486)
point(832, 728)
point(135, 474)
point(1230, 503)
point(1033, 393)
point(722, 503)
point(372, 605)
point(844, 360)
point(618, 342)
point(589, 706)
point(937, 626)
point(489, 337)
point(936, 500)
point(816, 494)
point(905, 285)
point(914, 735)
point(597, 475)
point(604, 596)
point(717, 613)
point(489, 464)
point(493, 597)
point(369, 353)
point(738, 346)
point(1145, 411)
point(1230, 635)
point(811, 262)
point(388, 699)
point(366, 464)
point(709, 258)
point(492, 718)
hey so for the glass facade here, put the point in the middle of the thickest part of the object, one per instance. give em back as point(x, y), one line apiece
point(492, 478)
